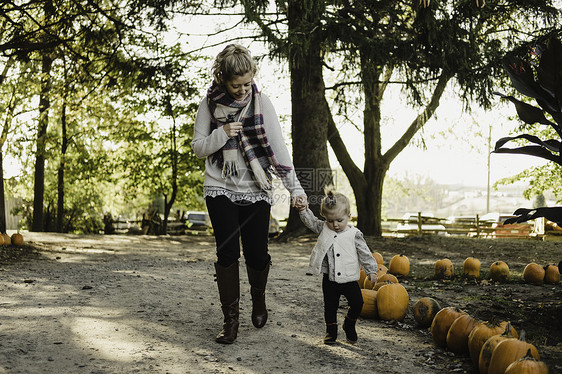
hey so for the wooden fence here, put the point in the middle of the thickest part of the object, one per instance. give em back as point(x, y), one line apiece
point(462, 226)
point(414, 225)
point(131, 226)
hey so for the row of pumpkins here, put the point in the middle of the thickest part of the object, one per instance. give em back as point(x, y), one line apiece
point(493, 346)
point(451, 327)
point(16, 239)
point(499, 271)
point(399, 265)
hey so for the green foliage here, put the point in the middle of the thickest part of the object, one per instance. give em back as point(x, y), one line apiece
point(399, 194)
point(157, 155)
point(539, 178)
point(113, 78)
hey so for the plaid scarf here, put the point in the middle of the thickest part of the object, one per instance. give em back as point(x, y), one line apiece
point(252, 140)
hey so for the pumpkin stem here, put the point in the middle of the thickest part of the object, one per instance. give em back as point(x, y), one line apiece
point(507, 332)
point(528, 356)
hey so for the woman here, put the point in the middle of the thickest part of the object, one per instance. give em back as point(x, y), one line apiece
point(238, 132)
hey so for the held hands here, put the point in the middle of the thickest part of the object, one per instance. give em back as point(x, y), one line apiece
point(300, 202)
point(373, 278)
point(232, 129)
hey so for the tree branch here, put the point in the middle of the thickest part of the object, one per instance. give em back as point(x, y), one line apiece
point(351, 170)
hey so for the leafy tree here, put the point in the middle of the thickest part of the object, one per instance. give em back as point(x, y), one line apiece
point(400, 195)
point(14, 90)
point(374, 44)
point(90, 54)
point(157, 155)
point(42, 31)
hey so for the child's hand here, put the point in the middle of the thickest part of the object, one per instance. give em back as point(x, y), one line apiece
point(302, 207)
point(373, 278)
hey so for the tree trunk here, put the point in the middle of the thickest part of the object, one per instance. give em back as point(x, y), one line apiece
point(310, 112)
point(168, 204)
point(368, 184)
point(369, 221)
point(2, 197)
point(5, 130)
point(164, 228)
point(60, 181)
point(44, 103)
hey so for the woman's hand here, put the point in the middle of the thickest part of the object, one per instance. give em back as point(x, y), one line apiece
point(232, 129)
point(300, 202)
point(373, 278)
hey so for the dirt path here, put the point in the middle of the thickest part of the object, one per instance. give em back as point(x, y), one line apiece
point(142, 304)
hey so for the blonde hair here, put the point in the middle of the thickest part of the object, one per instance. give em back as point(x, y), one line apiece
point(334, 201)
point(234, 60)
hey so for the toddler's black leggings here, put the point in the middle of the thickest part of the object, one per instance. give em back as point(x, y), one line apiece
point(332, 292)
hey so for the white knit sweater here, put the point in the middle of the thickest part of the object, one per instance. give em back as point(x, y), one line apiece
point(206, 142)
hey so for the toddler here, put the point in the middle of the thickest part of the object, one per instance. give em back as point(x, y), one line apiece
point(339, 254)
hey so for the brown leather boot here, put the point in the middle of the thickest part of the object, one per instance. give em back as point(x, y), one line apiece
point(228, 281)
point(258, 281)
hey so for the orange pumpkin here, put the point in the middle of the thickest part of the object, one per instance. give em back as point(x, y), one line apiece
point(387, 277)
point(369, 309)
point(378, 258)
point(7, 239)
point(499, 272)
point(471, 268)
point(489, 346)
point(425, 310)
point(381, 269)
point(392, 302)
point(508, 351)
point(399, 265)
point(527, 365)
point(551, 274)
point(442, 322)
point(534, 274)
point(367, 284)
point(1, 240)
point(457, 336)
point(482, 332)
point(362, 276)
point(17, 239)
point(444, 269)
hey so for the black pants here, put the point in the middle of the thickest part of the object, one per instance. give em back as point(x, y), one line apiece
point(233, 221)
point(332, 292)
